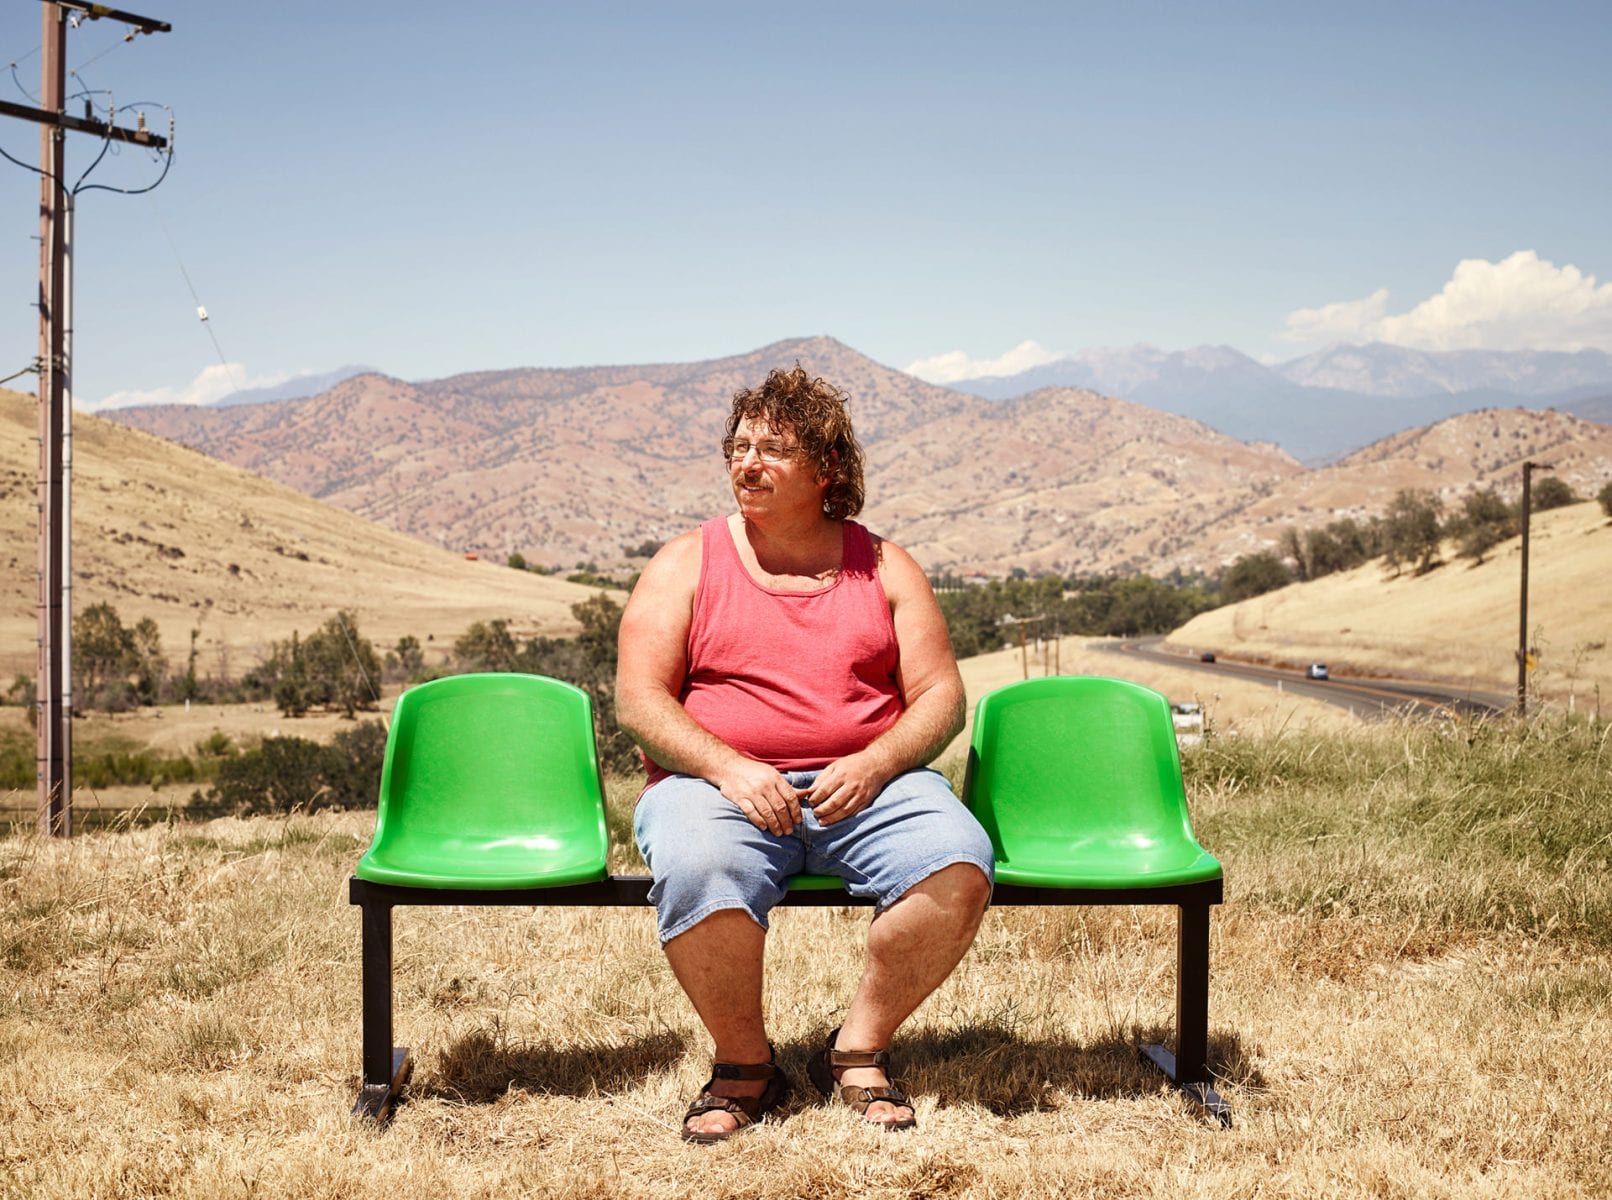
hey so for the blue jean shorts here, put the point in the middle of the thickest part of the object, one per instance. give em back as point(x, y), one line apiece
point(705, 855)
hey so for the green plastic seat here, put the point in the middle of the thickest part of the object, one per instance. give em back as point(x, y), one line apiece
point(490, 781)
point(1077, 779)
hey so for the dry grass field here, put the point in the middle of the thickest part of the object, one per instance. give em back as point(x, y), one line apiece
point(1458, 622)
point(164, 532)
point(179, 1011)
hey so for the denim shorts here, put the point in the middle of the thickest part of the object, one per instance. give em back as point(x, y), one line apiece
point(705, 855)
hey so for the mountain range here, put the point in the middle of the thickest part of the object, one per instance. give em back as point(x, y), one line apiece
point(586, 465)
point(1323, 405)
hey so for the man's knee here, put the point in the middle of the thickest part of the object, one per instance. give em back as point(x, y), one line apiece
point(960, 888)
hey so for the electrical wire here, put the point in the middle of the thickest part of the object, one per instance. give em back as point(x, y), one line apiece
point(32, 369)
point(358, 662)
point(201, 309)
point(24, 165)
point(167, 157)
point(17, 79)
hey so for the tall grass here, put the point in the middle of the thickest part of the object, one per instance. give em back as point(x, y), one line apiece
point(1408, 991)
point(1516, 815)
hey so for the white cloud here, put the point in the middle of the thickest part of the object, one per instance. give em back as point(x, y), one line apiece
point(1523, 302)
point(956, 365)
point(214, 383)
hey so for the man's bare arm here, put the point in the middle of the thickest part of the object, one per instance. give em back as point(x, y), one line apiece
point(931, 687)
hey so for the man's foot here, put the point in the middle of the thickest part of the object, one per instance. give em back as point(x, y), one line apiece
point(862, 1080)
point(737, 1096)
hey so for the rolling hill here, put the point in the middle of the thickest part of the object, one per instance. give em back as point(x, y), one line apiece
point(161, 531)
point(579, 465)
point(1458, 622)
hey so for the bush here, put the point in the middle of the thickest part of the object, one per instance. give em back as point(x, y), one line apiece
point(1551, 492)
point(292, 774)
point(1605, 498)
point(1254, 575)
point(334, 667)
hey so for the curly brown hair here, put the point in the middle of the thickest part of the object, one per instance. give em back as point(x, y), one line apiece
point(816, 410)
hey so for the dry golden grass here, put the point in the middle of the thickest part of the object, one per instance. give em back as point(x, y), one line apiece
point(1458, 622)
point(164, 532)
point(179, 1015)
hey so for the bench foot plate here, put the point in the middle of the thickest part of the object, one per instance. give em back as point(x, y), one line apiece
point(376, 1100)
point(1201, 1094)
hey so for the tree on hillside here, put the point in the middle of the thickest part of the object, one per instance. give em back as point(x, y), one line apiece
point(117, 666)
point(335, 667)
point(1254, 575)
point(342, 668)
point(406, 660)
point(1485, 520)
point(1412, 535)
point(1604, 496)
point(1551, 492)
point(487, 646)
point(1295, 546)
point(1143, 605)
point(101, 645)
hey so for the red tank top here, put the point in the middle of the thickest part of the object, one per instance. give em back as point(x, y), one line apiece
point(795, 679)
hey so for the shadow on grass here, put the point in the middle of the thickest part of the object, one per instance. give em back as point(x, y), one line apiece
point(1009, 1075)
point(481, 1067)
point(985, 1065)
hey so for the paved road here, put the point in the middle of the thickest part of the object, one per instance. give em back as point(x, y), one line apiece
point(1364, 697)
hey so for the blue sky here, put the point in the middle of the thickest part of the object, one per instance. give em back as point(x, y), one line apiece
point(429, 189)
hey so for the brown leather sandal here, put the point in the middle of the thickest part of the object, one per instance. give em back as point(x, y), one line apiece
point(747, 1109)
point(824, 1067)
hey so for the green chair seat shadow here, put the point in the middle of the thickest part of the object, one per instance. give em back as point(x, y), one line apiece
point(1077, 779)
point(489, 781)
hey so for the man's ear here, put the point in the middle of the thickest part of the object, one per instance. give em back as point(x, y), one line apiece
point(829, 467)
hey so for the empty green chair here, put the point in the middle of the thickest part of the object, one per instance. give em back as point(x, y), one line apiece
point(490, 781)
point(1078, 781)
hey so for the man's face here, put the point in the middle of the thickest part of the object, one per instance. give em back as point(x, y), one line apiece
point(786, 487)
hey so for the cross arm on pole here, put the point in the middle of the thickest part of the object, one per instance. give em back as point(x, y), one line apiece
point(96, 11)
point(43, 116)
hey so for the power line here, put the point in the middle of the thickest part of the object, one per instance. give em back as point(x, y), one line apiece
point(201, 309)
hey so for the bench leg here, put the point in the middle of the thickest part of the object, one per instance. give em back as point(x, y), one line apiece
point(386, 1067)
point(1188, 1067)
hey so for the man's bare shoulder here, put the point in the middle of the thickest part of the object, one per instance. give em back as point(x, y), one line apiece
point(676, 565)
point(891, 560)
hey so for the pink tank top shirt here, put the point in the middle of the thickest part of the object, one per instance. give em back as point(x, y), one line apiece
point(794, 679)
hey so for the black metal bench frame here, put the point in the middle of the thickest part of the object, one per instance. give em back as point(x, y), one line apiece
point(387, 1066)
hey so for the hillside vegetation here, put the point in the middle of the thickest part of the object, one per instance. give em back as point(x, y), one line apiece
point(161, 531)
point(1457, 622)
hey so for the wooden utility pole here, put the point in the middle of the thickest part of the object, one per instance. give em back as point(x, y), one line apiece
point(54, 695)
point(1528, 469)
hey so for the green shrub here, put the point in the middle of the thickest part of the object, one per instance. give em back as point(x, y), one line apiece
point(1551, 492)
point(292, 774)
point(1605, 497)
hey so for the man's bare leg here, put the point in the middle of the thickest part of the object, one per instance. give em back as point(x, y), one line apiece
point(719, 964)
point(912, 947)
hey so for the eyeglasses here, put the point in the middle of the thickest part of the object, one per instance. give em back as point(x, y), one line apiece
point(769, 452)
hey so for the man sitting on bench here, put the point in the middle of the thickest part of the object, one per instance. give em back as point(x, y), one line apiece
point(787, 675)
